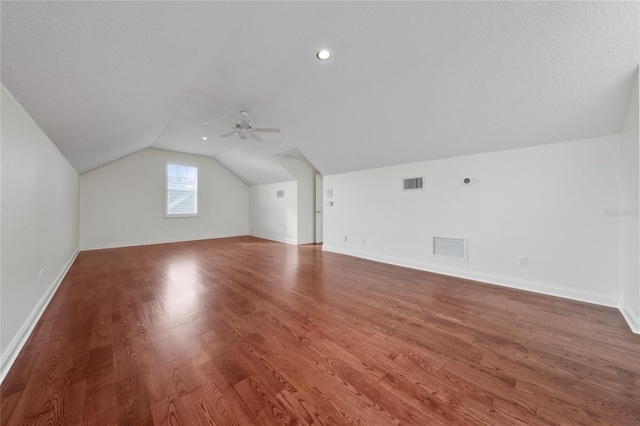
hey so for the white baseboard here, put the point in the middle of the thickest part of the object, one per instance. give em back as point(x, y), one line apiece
point(536, 287)
point(631, 317)
point(272, 238)
point(11, 352)
point(159, 241)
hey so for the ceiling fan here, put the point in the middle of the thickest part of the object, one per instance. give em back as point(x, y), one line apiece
point(245, 130)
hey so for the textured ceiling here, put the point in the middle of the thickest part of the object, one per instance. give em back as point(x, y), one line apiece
point(408, 81)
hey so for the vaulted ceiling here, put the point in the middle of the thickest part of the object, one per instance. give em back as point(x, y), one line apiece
point(408, 81)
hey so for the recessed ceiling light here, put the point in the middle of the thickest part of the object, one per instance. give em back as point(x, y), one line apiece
point(204, 138)
point(323, 55)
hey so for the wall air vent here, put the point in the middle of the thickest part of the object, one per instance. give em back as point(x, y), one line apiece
point(412, 184)
point(280, 194)
point(453, 248)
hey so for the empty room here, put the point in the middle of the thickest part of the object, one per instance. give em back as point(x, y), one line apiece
point(319, 213)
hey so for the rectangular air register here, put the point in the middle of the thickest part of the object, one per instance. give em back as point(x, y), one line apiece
point(412, 184)
point(452, 248)
point(280, 194)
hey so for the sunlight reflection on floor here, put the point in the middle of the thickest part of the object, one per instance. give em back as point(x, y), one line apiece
point(182, 279)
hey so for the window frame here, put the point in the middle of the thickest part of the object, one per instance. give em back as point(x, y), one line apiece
point(165, 195)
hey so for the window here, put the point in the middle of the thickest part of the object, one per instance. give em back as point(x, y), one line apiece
point(181, 196)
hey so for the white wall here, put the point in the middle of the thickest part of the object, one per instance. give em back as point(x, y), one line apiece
point(39, 227)
point(122, 203)
point(546, 203)
point(629, 229)
point(274, 218)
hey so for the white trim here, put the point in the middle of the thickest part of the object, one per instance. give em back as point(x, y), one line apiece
point(632, 319)
point(13, 349)
point(311, 241)
point(272, 238)
point(534, 286)
point(161, 241)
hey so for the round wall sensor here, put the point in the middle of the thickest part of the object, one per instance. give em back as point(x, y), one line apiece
point(467, 181)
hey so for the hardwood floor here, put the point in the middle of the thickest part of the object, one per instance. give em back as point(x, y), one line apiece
point(243, 331)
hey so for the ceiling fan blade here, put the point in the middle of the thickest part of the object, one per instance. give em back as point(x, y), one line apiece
point(256, 137)
point(216, 124)
point(228, 134)
point(266, 130)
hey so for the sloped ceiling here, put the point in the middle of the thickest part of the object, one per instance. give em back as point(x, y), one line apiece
point(408, 81)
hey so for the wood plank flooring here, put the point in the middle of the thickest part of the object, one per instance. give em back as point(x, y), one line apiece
point(244, 331)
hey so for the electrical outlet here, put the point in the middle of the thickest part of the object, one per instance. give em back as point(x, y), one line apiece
point(522, 260)
point(41, 276)
point(364, 241)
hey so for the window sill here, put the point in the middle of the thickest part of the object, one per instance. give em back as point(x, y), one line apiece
point(179, 216)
